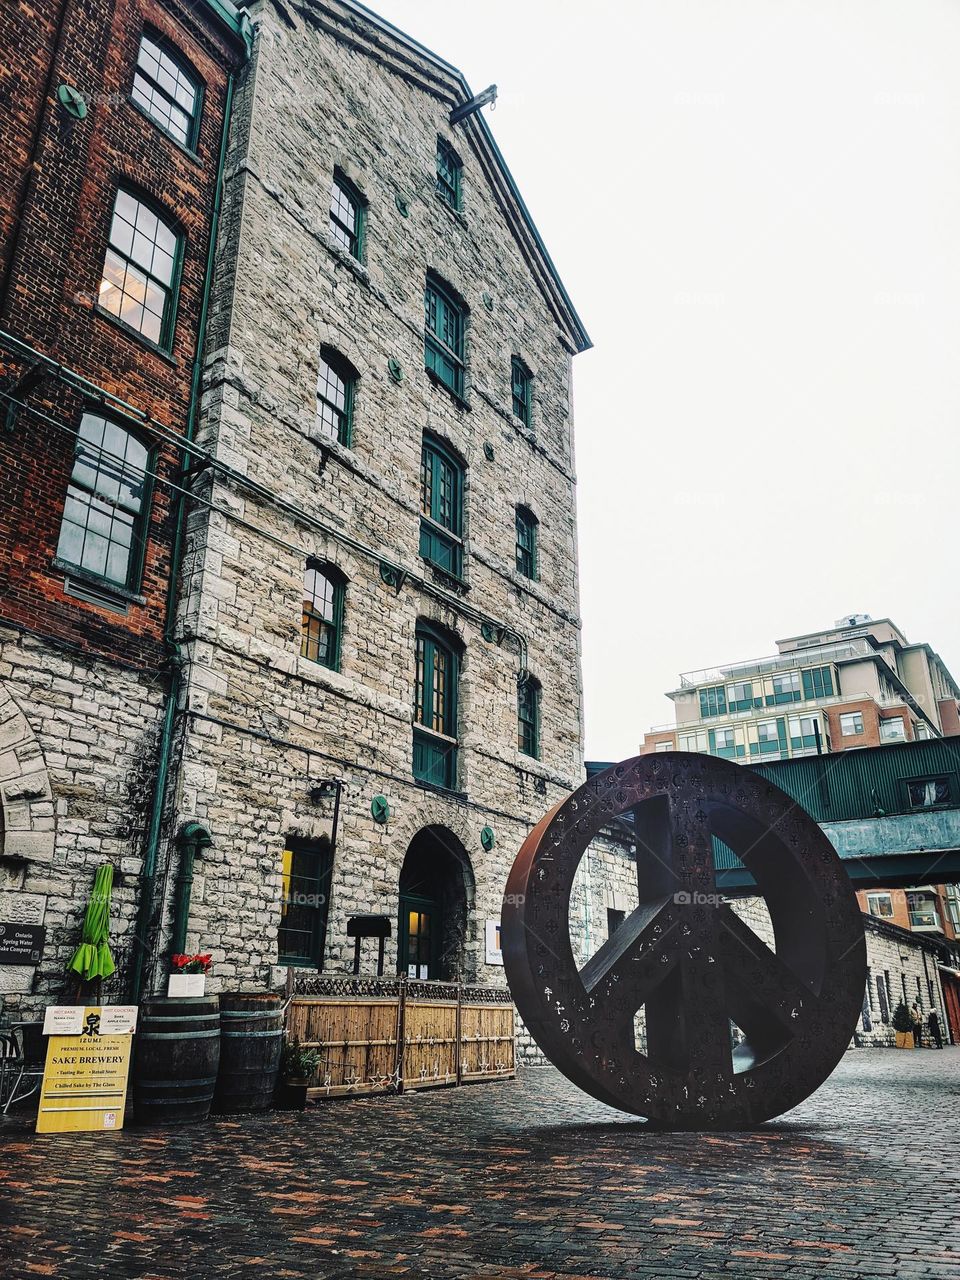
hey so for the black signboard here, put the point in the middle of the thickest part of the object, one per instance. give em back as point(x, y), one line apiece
point(21, 943)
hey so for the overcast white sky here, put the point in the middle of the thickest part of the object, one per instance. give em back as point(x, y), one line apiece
point(755, 207)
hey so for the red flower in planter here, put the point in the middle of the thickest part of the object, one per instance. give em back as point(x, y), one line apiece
point(191, 964)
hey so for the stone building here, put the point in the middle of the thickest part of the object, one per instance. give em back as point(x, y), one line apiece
point(379, 624)
point(109, 156)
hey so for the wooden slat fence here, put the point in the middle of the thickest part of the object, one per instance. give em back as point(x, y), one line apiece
point(388, 1035)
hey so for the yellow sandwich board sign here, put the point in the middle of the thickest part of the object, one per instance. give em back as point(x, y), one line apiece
point(85, 1077)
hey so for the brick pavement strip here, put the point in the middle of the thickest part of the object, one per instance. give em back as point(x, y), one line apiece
point(524, 1180)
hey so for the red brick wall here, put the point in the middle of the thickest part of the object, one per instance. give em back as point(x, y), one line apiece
point(51, 258)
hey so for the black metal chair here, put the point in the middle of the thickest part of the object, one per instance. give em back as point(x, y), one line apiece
point(27, 1061)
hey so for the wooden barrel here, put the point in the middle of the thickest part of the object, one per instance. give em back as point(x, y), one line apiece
point(251, 1042)
point(177, 1055)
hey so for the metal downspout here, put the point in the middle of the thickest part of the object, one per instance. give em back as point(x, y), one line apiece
point(149, 873)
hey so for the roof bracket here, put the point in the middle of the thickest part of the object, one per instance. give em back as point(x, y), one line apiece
point(476, 102)
point(18, 390)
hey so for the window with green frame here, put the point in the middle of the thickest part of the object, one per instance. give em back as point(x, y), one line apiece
point(527, 549)
point(804, 733)
point(445, 325)
point(335, 386)
point(771, 737)
point(528, 716)
point(106, 509)
point(306, 870)
point(522, 383)
point(723, 742)
point(141, 270)
point(449, 168)
point(713, 701)
point(347, 214)
point(740, 696)
point(441, 507)
point(786, 688)
point(435, 708)
point(817, 682)
point(320, 636)
point(167, 90)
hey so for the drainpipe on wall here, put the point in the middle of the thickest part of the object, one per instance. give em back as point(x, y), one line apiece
point(192, 838)
point(148, 876)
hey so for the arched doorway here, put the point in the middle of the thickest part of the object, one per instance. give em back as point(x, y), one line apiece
point(436, 891)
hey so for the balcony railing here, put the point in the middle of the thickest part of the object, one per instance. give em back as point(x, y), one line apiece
point(792, 661)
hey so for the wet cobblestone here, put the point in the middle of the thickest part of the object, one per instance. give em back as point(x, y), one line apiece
point(524, 1180)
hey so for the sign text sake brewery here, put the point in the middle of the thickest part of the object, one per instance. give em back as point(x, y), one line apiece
point(88, 1059)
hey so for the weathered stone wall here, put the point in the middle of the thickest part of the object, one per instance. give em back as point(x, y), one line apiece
point(320, 95)
point(77, 745)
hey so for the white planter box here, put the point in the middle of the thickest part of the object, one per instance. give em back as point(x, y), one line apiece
point(186, 984)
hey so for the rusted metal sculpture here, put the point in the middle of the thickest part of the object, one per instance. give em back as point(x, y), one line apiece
point(684, 955)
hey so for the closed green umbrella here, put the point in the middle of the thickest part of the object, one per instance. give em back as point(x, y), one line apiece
point(92, 959)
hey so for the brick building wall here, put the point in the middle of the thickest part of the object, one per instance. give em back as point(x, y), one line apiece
point(263, 724)
point(83, 663)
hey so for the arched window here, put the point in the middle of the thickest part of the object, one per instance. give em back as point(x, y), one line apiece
point(528, 717)
point(167, 91)
point(521, 381)
point(435, 707)
point(141, 270)
point(449, 168)
point(445, 327)
point(347, 215)
point(322, 614)
point(105, 511)
point(441, 506)
point(527, 543)
point(335, 384)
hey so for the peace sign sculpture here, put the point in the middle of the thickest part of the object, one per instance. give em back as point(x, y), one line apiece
point(684, 955)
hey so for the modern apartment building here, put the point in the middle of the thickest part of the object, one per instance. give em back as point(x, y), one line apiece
point(860, 683)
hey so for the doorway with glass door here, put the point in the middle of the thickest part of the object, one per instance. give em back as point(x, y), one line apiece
point(432, 925)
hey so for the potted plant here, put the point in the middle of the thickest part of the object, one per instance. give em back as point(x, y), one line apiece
point(189, 975)
point(903, 1026)
point(297, 1066)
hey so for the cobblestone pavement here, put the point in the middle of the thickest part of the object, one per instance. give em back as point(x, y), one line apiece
point(523, 1180)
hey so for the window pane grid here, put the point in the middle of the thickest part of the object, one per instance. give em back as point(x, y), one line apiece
point(334, 402)
point(320, 624)
point(528, 696)
point(104, 499)
point(448, 174)
point(526, 543)
point(443, 340)
point(520, 379)
point(345, 219)
point(139, 268)
point(166, 92)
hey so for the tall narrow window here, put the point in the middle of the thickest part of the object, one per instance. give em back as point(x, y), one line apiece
point(335, 384)
point(448, 174)
point(167, 91)
point(435, 709)
point(346, 215)
point(140, 270)
point(303, 907)
point(444, 335)
point(322, 614)
point(105, 511)
point(522, 382)
point(528, 717)
point(527, 543)
point(441, 505)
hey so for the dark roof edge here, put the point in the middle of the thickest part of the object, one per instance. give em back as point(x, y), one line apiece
point(578, 333)
point(237, 23)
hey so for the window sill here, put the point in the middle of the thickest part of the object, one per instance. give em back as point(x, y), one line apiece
point(347, 260)
point(455, 396)
point(445, 579)
point(457, 214)
point(181, 146)
point(435, 787)
point(100, 584)
point(131, 332)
